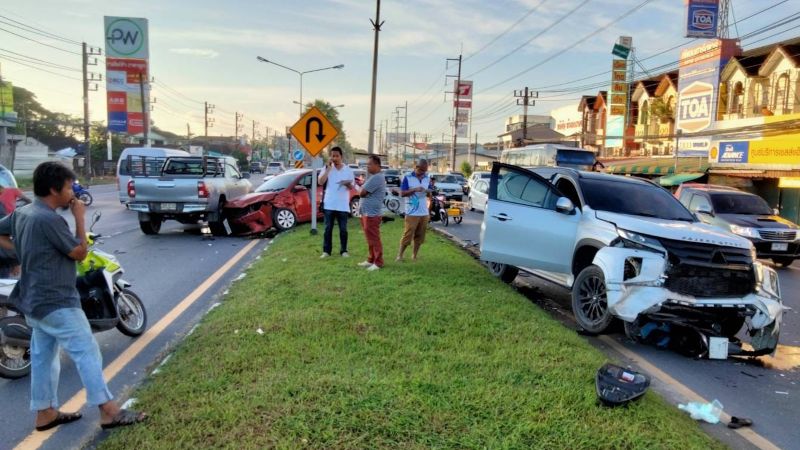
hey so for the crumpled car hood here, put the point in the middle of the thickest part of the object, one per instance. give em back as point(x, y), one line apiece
point(249, 199)
point(675, 230)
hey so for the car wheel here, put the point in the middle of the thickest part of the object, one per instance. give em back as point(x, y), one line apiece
point(505, 272)
point(15, 362)
point(355, 207)
point(152, 226)
point(284, 219)
point(469, 204)
point(590, 300)
point(783, 262)
point(218, 227)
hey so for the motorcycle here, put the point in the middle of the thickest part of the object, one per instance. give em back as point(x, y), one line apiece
point(105, 298)
point(437, 208)
point(82, 193)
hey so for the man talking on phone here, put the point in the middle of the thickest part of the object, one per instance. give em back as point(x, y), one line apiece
point(339, 180)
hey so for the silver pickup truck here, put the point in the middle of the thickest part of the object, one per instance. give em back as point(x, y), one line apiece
point(188, 189)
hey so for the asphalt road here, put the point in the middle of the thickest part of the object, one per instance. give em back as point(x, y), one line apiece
point(163, 270)
point(764, 389)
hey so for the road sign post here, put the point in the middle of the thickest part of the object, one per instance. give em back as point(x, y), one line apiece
point(314, 131)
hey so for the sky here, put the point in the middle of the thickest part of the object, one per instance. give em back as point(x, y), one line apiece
point(205, 51)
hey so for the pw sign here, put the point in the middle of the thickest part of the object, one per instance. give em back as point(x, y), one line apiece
point(126, 37)
point(694, 106)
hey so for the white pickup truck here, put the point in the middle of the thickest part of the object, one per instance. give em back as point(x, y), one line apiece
point(188, 189)
point(627, 249)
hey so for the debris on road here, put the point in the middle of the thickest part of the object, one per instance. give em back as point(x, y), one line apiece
point(782, 392)
point(709, 412)
point(617, 386)
point(739, 422)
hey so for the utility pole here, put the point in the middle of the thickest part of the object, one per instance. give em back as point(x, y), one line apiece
point(376, 25)
point(380, 139)
point(475, 153)
point(238, 127)
point(85, 53)
point(402, 147)
point(145, 119)
point(188, 133)
point(456, 102)
point(525, 98)
point(209, 121)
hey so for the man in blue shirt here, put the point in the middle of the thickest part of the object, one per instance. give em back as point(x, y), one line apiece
point(414, 188)
point(47, 296)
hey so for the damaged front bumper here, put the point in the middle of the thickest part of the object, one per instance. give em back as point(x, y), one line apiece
point(636, 288)
point(251, 221)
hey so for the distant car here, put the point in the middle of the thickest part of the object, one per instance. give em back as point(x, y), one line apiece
point(279, 203)
point(747, 215)
point(7, 178)
point(392, 176)
point(477, 176)
point(256, 167)
point(478, 196)
point(461, 180)
point(275, 168)
point(448, 185)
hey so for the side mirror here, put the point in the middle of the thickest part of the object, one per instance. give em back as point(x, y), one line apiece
point(704, 210)
point(564, 205)
point(95, 218)
point(299, 188)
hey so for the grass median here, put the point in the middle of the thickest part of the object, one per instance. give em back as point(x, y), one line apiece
point(431, 354)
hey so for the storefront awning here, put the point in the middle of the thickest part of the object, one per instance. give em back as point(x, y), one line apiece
point(675, 180)
point(657, 166)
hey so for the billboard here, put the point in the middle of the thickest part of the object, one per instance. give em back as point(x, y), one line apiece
point(617, 103)
point(698, 87)
point(6, 100)
point(701, 18)
point(463, 99)
point(127, 73)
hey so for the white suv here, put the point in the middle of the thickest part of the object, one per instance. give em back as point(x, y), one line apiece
point(274, 168)
point(628, 249)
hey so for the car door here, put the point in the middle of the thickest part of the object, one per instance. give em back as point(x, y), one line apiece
point(302, 198)
point(522, 226)
point(480, 195)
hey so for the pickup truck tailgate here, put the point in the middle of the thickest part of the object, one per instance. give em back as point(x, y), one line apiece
point(169, 194)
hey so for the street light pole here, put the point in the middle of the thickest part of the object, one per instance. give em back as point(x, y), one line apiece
point(376, 24)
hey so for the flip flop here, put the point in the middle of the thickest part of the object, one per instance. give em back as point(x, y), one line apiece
point(60, 419)
point(124, 418)
point(739, 422)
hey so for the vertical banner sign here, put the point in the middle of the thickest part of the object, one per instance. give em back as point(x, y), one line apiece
point(463, 107)
point(698, 83)
point(127, 65)
point(701, 18)
point(7, 101)
point(617, 102)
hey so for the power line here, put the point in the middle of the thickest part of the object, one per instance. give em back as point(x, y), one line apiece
point(40, 32)
point(51, 64)
point(17, 61)
point(507, 30)
point(549, 27)
point(39, 42)
point(176, 92)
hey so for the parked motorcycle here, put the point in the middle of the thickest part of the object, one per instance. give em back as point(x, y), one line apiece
point(437, 208)
point(82, 192)
point(105, 298)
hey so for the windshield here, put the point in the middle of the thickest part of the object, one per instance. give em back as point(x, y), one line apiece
point(278, 183)
point(391, 172)
point(274, 164)
point(574, 158)
point(633, 199)
point(445, 178)
point(734, 203)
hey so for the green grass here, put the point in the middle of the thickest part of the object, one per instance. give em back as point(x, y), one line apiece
point(432, 354)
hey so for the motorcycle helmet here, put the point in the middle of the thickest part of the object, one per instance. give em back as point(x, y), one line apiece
point(617, 386)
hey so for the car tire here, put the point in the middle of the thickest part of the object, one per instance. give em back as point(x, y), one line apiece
point(218, 226)
point(504, 272)
point(783, 262)
point(590, 300)
point(152, 226)
point(355, 207)
point(284, 219)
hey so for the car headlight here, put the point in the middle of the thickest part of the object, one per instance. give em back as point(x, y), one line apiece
point(745, 231)
point(639, 241)
point(767, 280)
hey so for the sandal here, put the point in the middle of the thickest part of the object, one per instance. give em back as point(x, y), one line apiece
point(739, 422)
point(124, 418)
point(60, 419)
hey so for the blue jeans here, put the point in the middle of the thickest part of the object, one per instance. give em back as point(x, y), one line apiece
point(341, 218)
point(69, 329)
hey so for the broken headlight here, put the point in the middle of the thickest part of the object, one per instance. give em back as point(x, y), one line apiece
point(767, 280)
point(639, 241)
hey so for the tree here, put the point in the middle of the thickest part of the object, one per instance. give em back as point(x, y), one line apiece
point(56, 130)
point(661, 110)
point(333, 116)
point(466, 168)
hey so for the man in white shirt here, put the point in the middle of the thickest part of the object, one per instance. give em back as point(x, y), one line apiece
point(336, 201)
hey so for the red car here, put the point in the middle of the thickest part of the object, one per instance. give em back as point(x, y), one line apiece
point(278, 204)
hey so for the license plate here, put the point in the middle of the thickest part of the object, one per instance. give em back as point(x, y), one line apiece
point(780, 247)
point(169, 206)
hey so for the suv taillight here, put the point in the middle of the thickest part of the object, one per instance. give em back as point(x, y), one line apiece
point(202, 191)
point(131, 189)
